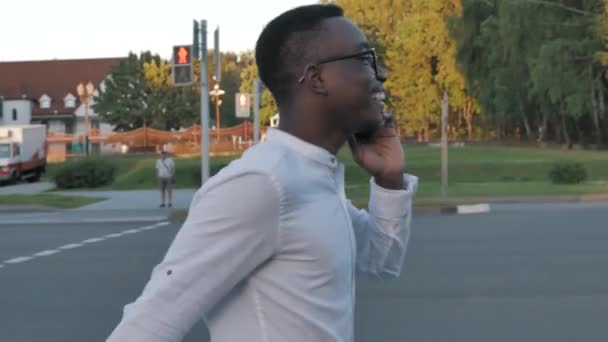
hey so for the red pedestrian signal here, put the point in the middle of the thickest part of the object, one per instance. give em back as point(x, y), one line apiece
point(182, 56)
point(183, 71)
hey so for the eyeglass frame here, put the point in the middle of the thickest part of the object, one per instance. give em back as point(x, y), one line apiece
point(370, 51)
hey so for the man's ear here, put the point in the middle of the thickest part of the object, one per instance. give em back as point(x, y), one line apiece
point(313, 80)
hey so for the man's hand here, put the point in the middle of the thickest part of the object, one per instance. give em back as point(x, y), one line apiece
point(383, 158)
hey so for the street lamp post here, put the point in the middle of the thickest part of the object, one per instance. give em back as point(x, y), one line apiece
point(85, 93)
point(217, 93)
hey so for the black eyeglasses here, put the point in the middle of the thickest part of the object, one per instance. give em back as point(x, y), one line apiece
point(367, 54)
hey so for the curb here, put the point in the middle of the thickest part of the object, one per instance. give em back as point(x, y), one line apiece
point(28, 208)
point(466, 209)
point(132, 219)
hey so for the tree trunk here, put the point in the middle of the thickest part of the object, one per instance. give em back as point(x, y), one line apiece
point(468, 117)
point(542, 129)
point(557, 127)
point(468, 120)
point(500, 127)
point(580, 135)
point(602, 109)
point(567, 139)
point(484, 122)
point(526, 126)
point(460, 119)
point(596, 117)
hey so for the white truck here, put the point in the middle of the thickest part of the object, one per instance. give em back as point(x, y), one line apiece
point(22, 153)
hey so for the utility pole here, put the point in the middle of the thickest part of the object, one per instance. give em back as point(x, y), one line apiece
point(444, 145)
point(257, 94)
point(217, 92)
point(204, 105)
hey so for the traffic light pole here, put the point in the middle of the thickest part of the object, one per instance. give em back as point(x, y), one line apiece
point(256, 110)
point(204, 104)
point(444, 145)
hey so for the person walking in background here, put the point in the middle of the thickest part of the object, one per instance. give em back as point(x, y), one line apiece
point(165, 172)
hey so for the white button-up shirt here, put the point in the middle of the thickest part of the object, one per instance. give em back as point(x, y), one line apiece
point(269, 251)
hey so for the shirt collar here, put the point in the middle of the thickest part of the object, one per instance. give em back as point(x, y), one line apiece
point(302, 147)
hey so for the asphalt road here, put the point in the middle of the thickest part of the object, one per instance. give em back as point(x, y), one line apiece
point(521, 273)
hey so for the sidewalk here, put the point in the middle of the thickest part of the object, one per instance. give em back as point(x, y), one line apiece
point(120, 206)
point(26, 188)
point(133, 199)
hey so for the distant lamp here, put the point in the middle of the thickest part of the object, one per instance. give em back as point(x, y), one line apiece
point(85, 93)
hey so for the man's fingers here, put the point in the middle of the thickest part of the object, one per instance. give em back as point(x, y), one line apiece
point(388, 128)
point(387, 132)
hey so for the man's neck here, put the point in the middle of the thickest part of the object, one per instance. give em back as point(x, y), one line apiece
point(312, 131)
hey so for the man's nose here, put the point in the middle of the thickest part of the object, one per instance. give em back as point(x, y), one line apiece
point(381, 74)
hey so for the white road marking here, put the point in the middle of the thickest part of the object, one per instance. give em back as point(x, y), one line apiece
point(47, 252)
point(50, 252)
point(93, 240)
point(18, 260)
point(115, 235)
point(474, 209)
point(71, 246)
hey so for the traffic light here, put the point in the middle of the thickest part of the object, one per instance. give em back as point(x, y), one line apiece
point(183, 71)
point(243, 106)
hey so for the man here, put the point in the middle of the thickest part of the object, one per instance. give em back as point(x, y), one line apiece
point(165, 171)
point(271, 244)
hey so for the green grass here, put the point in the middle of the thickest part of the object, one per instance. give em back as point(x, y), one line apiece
point(473, 171)
point(139, 173)
point(47, 199)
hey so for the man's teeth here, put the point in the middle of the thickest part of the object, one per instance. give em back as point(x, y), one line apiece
point(378, 96)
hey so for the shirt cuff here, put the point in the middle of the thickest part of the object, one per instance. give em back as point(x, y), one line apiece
point(389, 203)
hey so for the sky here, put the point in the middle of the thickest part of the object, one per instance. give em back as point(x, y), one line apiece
point(70, 29)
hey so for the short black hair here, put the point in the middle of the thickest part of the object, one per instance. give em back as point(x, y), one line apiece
point(283, 46)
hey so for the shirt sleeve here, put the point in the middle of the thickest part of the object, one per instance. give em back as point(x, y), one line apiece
point(228, 233)
point(382, 234)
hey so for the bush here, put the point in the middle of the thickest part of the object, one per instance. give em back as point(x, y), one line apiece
point(568, 173)
point(214, 168)
point(85, 173)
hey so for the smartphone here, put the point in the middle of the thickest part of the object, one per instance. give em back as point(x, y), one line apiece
point(366, 137)
point(369, 134)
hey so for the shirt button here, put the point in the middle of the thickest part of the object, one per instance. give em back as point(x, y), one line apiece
point(332, 159)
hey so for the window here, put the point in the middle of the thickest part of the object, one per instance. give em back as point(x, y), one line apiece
point(16, 150)
point(45, 101)
point(5, 151)
point(14, 114)
point(69, 101)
